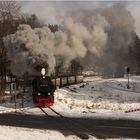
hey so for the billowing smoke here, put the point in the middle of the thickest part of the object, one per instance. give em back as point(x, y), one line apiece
point(120, 38)
point(115, 55)
point(29, 47)
point(93, 36)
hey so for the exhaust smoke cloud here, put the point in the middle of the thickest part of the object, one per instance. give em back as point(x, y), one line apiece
point(97, 33)
point(29, 47)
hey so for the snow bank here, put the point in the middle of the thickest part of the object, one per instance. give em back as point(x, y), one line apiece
point(100, 94)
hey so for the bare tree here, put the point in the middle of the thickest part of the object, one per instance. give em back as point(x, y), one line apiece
point(9, 19)
point(9, 10)
point(76, 67)
point(32, 20)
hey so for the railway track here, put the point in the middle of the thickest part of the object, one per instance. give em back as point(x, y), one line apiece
point(80, 135)
point(67, 121)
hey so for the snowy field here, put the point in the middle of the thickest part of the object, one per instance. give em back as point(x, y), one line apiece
point(95, 98)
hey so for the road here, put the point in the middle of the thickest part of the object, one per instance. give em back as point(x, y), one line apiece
point(101, 128)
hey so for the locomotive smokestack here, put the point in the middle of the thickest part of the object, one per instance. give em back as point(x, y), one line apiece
point(43, 72)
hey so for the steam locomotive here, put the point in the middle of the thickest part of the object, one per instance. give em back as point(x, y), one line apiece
point(43, 88)
point(43, 91)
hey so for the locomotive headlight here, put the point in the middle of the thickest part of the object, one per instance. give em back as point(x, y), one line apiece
point(49, 93)
point(39, 94)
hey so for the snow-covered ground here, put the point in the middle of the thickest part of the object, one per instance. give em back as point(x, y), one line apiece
point(96, 98)
point(16, 133)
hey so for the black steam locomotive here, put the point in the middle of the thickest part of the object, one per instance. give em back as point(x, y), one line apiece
point(43, 91)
